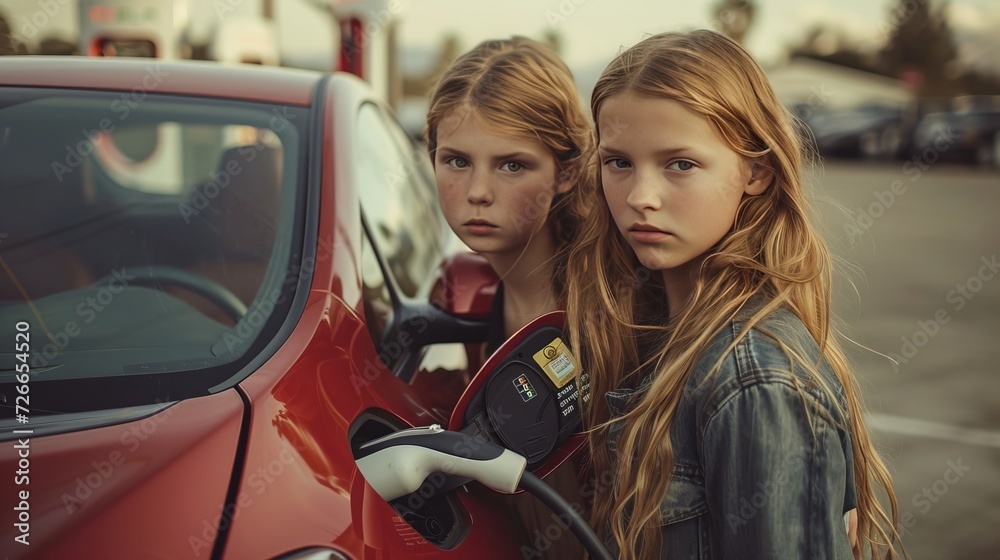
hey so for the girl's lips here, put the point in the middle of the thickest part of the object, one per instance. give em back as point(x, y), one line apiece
point(647, 233)
point(479, 227)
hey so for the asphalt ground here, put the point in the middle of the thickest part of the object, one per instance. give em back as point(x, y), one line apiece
point(918, 280)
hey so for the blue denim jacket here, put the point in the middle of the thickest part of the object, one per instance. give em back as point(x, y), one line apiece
point(756, 473)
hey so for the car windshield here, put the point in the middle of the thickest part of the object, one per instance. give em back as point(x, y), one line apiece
point(143, 239)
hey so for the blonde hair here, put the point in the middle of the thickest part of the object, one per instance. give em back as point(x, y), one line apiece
point(771, 249)
point(521, 88)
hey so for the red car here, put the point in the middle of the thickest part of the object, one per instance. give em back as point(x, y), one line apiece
point(215, 283)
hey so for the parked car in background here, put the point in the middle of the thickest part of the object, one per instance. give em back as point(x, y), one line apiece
point(870, 132)
point(971, 135)
point(215, 283)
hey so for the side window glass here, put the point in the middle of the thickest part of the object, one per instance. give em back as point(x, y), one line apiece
point(375, 293)
point(404, 217)
point(406, 227)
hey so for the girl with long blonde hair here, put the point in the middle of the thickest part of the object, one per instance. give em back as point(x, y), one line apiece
point(509, 139)
point(699, 302)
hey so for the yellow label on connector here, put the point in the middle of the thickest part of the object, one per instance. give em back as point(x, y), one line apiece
point(557, 362)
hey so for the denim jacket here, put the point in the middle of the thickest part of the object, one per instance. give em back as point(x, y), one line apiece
point(756, 473)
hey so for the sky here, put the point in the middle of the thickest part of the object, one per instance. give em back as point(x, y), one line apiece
point(593, 31)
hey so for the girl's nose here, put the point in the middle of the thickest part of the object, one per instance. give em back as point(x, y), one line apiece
point(480, 192)
point(644, 194)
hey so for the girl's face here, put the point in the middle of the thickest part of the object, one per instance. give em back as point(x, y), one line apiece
point(495, 189)
point(672, 183)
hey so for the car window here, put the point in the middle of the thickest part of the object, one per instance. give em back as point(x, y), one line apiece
point(378, 303)
point(398, 200)
point(151, 240)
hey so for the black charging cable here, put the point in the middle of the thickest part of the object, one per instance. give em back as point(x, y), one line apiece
point(534, 485)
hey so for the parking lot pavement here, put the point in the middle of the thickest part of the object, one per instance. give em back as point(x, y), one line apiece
point(922, 249)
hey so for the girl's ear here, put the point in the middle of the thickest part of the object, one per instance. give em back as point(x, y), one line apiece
point(564, 182)
point(761, 177)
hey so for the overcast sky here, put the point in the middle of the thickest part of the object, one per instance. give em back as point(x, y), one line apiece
point(593, 31)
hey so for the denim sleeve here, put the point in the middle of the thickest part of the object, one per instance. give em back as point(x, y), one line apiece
point(776, 476)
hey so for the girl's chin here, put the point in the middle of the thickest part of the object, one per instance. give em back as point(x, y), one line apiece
point(652, 262)
point(485, 246)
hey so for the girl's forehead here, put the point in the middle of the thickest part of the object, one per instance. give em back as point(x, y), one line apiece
point(629, 99)
point(462, 115)
point(473, 123)
point(627, 110)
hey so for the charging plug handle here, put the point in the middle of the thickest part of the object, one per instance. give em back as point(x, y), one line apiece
point(397, 464)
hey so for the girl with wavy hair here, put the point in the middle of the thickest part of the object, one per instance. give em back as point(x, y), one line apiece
point(699, 304)
point(509, 138)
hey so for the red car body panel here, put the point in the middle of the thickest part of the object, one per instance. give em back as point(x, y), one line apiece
point(118, 491)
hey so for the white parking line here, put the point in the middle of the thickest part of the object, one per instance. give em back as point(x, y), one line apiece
point(923, 428)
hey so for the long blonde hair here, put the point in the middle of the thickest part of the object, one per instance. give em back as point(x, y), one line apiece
point(523, 89)
point(771, 249)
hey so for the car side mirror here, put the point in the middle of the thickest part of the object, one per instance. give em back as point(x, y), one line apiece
point(465, 287)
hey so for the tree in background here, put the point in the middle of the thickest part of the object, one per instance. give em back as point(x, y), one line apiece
point(8, 44)
point(826, 44)
point(920, 48)
point(554, 40)
point(733, 18)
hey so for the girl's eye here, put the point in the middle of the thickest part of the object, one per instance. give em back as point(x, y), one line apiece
point(681, 165)
point(512, 167)
point(617, 163)
point(457, 162)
